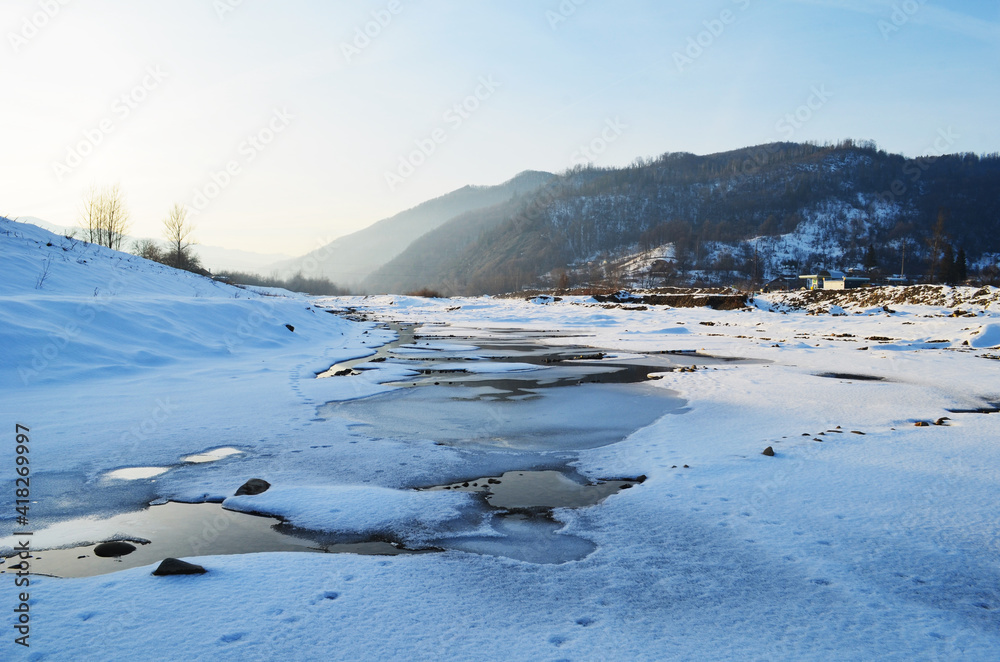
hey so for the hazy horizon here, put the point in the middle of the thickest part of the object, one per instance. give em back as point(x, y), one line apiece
point(332, 116)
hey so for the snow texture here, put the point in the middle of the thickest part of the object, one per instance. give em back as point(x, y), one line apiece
point(864, 537)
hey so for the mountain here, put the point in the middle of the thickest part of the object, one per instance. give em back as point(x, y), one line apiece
point(213, 258)
point(350, 259)
point(738, 215)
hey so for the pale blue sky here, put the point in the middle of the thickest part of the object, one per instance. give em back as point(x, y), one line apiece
point(554, 86)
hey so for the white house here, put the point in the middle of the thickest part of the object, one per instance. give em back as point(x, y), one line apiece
point(834, 280)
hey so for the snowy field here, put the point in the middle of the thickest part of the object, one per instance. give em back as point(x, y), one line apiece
point(865, 536)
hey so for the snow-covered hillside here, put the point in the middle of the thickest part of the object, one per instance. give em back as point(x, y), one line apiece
point(73, 310)
point(213, 258)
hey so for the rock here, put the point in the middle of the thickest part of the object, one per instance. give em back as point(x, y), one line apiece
point(922, 424)
point(253, 487)
point(108, 550)
point(177, 567)
point(290, 328)
point(768, 452)
point(942, 421)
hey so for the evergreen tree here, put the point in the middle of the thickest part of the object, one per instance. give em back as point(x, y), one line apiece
point(947, 268)
point(937, 243)
point(871, 260)
point(961, 267)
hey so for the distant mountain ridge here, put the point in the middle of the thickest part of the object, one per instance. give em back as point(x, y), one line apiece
point(350, 259)
point(736, 215)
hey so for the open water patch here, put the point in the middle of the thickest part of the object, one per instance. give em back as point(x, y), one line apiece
point(173, 530)
point(529, 490)
point(519, 518)
point(851, 377)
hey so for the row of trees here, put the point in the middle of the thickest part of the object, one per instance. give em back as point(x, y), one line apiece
point(177, 253)
point(298, 282)
point(105, 220)
point(105, 217)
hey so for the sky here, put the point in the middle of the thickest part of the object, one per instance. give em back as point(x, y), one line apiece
point(283, 125)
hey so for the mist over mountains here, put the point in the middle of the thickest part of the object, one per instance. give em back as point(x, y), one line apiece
point(349, 260)
point(743, 215)
point(733, 218)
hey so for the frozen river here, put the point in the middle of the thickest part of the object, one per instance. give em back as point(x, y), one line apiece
point(488, 393)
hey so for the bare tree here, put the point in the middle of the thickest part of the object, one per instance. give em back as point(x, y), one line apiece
point(177, 231)
point(105, 217)
point(147, 248)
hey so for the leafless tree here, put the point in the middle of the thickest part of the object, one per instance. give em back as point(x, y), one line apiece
point(147, 248)
point(177, 231)
point(105, 217)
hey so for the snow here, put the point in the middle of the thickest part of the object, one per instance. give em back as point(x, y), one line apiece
point(213, 455)
point(986, 337)
point(136, 473)
point(881, 545)
point(820, 238)
point(405, 515)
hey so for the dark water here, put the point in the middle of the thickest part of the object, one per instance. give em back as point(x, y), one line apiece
point(560, 403)
point(180, 530)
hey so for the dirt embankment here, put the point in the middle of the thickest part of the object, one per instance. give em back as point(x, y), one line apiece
point(694, 299)
point(941, 296)
point(719, 298)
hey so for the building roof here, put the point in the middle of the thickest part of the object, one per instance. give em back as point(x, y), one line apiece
point(834, 275)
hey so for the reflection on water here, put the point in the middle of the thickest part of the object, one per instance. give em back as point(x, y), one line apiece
point(464, 394)
point(566, 404)
point(539, 489)
point(177, 530)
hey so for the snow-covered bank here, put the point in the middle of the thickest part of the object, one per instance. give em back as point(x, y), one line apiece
point(864, 537)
